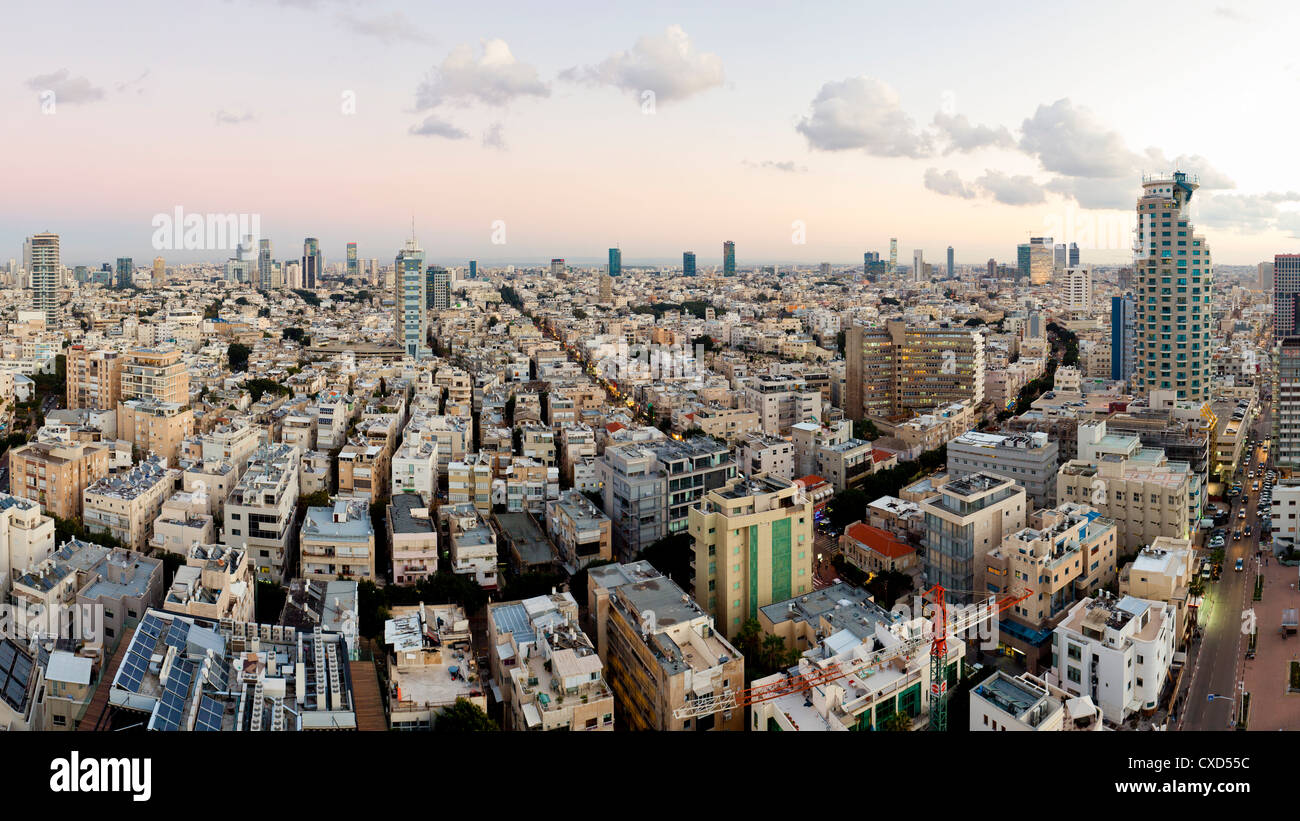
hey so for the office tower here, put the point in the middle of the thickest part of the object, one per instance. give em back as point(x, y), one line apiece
point(1060, 257)
point(901, 368)
point(993, 267)
point(125, 270)
point(728, 258)
point(1265, 272)
point(918, 265)
point(264, 264)
point(893, 255)
point(81, 274)
point(1123, 346)
point(557, 268)
point(353, 270)
point(27, 255)
point(1074, 255)
point(159, 272)
point(1022, 261)
point(1175, 279)
point(411, 313)
point(824, 270)
point(950, 266)
point(42, 251)
point(437, 288)
point(473, 269)
point(1040, 260)
point(292, 273)
point(615, 262)
point(311, 263)
point(277, 276)
point(1078, 288)
point(1285, 273)
point(688, 264)
point(965, 520)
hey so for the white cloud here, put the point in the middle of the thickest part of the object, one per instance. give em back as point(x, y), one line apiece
point(962, 136)
point(435, 126)
point(788, 166)
point(68, 90)
point(225, 117)
point(947, 183)
point(393, 28)
point(1011, 190)
point(494, 138)
point(1071, 141)
point(666, 64)
point(494, 78)
point(862, 113)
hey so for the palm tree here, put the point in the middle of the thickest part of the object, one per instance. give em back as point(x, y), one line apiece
point(897, 722)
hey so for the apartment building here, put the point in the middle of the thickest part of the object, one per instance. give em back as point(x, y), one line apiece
point(155, 374)
point(260, 511)
point(771, 455)
point(635, 497)
point(125, 505)
point(473, 544)
point(753, 545)
point(94, 378)
point(1164, 572)
point(1065, 554)
point(1027, 703)
point(415, 469)
point(412, 537)
point(781, 400)
point(841, 626)
point(727, 423)
point(661, 649)
point(232, 443)
point(216, 582)
point(579, 529)
point(183, 522)
point(904, 367)
point(363, 472)
point(965, 519)
point(338, 542)
point(692, 468)
point(431, 664)
point(549, 674)
point(1029, 459)
point(155, 426)
point(55, 474)
point(1117, 651)
point(469, 481)
point(26, 537)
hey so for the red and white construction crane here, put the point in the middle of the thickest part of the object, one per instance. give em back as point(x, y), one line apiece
point(810, 674)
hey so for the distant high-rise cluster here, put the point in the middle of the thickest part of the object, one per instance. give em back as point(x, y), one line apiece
point(353, 270)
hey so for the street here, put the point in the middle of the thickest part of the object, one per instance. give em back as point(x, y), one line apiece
point(1218, 659)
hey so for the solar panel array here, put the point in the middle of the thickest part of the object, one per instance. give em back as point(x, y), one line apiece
point(177, 634)
point(210, 712)
point(171, 706)
point(218, 674)
point(134, 666)
point(152, 626)
point(15, 670)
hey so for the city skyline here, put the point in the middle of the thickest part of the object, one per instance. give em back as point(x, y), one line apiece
point(553, 146)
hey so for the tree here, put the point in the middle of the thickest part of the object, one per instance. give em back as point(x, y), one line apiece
point(238, 356)
point(865, 429)
point(464, 717)
point(897, 722)
point(846, 507)
point(704, 342)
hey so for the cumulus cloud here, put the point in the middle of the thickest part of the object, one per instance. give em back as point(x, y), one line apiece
point(493, 77)
point(393, 28)
point(788, 166)
point(225, 117)
point(68, 90)
point(947, 183)
point(435, 126)
point(863, 113)
point(1072, 142)
point(1011, 190)
point(665, 63)
point(1245, 212)
point(962, 136)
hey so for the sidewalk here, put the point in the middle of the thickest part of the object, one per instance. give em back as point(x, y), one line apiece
point(1266, 676)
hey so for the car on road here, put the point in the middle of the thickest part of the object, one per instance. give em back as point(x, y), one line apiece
point(1246, 532)
point(1241, 514)
point(1240, 564)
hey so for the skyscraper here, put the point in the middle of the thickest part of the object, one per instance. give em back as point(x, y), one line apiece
point(1078, 288)
point(606, 288)
point(993, 267)
point(950, 266)
point(893, 255)
point(125, 270)
point(615, 262)
point(1022, 261)
point(1074, 255)
point(1060, 257)
point(354, 270)
point(437, 288)
point(1174, 282)
point(43, 274)
point(688, 264)
point(311, 263)
point(1285, 270)
point(728, 258)
point(1285, 273)
point(1123, 313)
point(1040, 260)
point(473, 269)
point(411, 312)
point(264, 264)
point(918, 265)
point(159, 272)
point(557, 268)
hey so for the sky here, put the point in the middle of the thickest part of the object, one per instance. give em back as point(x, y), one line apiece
point(515, 132)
